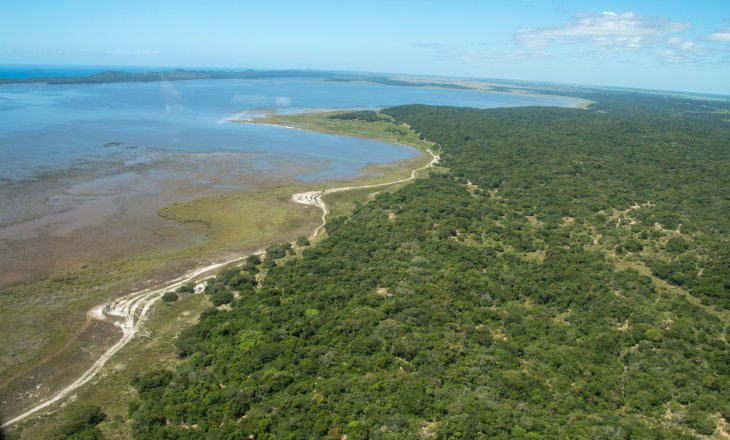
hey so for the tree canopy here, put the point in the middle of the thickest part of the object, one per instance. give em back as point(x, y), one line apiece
point(518, 292)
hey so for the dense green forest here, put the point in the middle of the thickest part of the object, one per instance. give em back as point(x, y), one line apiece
point(176, 75)
point(564, 274)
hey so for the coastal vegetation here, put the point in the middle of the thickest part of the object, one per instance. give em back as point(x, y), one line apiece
point(386, 81)
point(567, 274)
point(46, 323)
point(563, 273)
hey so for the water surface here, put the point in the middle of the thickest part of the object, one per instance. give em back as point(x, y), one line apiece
point(84, 168)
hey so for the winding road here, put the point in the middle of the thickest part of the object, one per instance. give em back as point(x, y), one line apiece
point(129, 312)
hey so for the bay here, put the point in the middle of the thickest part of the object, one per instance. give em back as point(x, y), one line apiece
point(84, 168)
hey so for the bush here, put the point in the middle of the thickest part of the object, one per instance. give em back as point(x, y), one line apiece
point(268, 263)
point(253, 260)
point(303, 241)
point(82, 425)
point(186, 288)
point(633, 245)
point(169, 297)
point(221, 297)
point(151, 380)
point(210, 311)
point(240, 281)
point(275, 252)
point(676, 245)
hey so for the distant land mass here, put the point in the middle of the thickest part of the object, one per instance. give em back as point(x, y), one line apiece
point(113, 76)
point(176, 75)
point(588, 92)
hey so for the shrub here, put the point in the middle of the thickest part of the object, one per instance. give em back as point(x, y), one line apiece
point(169, 297)
point(275, 252)
point(186, 288)
point(221, 297)
point(268, 263)
point(303, 241)
point(633, 245)
point(676, 245)
point(210, 311)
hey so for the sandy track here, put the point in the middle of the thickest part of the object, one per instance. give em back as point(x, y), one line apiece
point(314, 198)
point(129, 312)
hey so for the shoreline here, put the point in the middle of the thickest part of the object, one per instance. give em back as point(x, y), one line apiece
point(133, 306)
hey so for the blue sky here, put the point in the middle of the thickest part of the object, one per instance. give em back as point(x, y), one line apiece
point(668, 45)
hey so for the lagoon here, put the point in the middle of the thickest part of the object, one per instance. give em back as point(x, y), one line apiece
point(85, 167)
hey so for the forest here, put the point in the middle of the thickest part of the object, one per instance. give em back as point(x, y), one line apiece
point(564, 273)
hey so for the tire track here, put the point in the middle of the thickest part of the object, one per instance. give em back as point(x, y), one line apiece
point(129, 312)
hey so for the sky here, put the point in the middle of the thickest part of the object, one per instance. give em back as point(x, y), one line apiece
point(661, 45)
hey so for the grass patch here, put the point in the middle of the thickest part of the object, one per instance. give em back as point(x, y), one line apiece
point(42, 318)
point(111, 390)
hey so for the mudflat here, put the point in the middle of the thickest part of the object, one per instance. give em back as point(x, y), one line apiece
point(66, 220)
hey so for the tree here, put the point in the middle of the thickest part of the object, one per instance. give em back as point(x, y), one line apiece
point(169, 297)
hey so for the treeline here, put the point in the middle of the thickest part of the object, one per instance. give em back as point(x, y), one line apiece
point(484, 300)
point(365, 115)
point(176, 75)
point(386, 81)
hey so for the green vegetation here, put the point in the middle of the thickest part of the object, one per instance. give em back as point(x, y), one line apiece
point(169, 297)
point(44, 318)
point(521, 292)
point(367, 116)
point(81, 425)
point(386, 81)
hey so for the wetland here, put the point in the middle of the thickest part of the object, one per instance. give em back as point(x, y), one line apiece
point(108, 189)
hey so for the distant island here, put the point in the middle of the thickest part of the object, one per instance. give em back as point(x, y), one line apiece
point(619, 96)
point(113, 76)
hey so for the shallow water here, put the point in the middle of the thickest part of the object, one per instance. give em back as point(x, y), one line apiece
point(45, 128)
point(84, 168)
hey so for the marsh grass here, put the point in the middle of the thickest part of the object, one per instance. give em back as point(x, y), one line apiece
point(42, 318)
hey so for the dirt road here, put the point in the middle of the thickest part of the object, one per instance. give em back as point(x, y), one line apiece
point(129, 312)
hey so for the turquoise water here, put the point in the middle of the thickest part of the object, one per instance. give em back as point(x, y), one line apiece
point(46, 129)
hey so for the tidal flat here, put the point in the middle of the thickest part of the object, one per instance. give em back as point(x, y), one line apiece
point(45, 319)
point(65, 220)
point(121, 187)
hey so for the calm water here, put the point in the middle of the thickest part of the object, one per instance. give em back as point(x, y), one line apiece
point(84, 169)
point(51, 128)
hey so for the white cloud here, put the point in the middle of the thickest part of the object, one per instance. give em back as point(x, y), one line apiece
point(692, 47)
point(624, 29)
point(675, 40)
point(133, 52)
point(721, 35)
point(670, 56)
